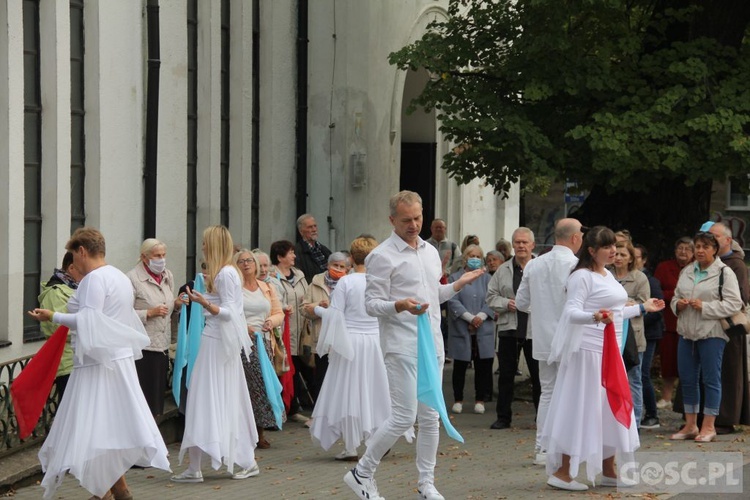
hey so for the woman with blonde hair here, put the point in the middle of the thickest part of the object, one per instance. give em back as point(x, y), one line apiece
point(262, 314)
point(219, 418)
point(153, 286)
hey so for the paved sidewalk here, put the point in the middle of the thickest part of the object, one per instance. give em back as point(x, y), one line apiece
point(492, 464)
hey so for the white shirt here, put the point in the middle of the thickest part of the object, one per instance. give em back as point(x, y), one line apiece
point(542, 294)
point(397, 271)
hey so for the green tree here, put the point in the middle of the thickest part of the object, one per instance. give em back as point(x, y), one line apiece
point(641, 102)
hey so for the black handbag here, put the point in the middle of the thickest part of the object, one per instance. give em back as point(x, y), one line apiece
point(630, 353)
point(738, 323)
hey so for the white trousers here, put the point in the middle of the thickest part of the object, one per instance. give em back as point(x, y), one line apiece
point(402, 380)
point(547, 378)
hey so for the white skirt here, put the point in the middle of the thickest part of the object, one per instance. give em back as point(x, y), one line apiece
point(354, 399)
point(580, 422)
point(102, 428)
point(219, 416)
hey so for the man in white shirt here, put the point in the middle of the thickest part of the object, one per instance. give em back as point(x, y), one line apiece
point(542, 294)
point(403, 280)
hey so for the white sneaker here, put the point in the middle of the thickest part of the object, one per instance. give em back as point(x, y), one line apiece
point(246, 473)
point(347, 456)
point(188, 477)
point(364, 487)
point(479, 408)
point(540, 458)
point(457, 407)
point(663, 403)
point(427, 491)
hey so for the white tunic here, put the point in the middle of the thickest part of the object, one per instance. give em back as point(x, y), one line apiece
point(103, 425)
point(219, 416)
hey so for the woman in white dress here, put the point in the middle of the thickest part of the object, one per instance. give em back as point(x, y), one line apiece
point(219, 416)
point(583, 427)
point(354, 398)
point(103, 425)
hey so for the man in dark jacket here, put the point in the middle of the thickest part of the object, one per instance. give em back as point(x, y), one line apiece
point(735, 390)
point(312, 256)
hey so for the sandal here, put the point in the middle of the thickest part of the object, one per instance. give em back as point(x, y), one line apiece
point(705, 438)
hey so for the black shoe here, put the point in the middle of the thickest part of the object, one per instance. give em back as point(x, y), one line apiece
point(650, 423)
point(500, 424)
point(725, 429)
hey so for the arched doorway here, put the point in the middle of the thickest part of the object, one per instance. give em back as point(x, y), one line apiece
point(419, 148)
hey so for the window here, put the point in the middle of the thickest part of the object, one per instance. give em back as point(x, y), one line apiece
point(77, 137)
point(225, 112)
point(738, 192)
point(32, 138)
point(192, 139)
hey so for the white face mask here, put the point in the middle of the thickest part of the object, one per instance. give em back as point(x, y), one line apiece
point(157, 266)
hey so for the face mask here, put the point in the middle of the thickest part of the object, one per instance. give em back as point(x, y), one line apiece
point(157, 266)
point(474, 263)
point(336, 274)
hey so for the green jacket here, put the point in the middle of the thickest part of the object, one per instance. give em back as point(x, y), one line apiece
point(55, 297)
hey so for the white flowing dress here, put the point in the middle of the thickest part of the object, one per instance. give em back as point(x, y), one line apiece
point(103, 425)
point(219, 416)
point(580, 422)
point(354, 399)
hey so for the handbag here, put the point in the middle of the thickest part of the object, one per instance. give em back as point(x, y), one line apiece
point(630, 350)
point(305, 344)
point(738, 323)
point(280, 361)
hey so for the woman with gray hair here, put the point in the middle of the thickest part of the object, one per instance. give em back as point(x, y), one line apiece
point(319, 294)
point(153, 289)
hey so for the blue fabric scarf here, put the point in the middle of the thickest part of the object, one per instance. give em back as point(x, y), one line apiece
point(429, 383)
point(188, 340)
point(270, 380)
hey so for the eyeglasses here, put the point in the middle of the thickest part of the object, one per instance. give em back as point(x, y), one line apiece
point(242, 262)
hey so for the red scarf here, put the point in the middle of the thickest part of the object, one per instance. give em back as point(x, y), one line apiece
point(30, 390)
point(287, 379)
point(615, 379)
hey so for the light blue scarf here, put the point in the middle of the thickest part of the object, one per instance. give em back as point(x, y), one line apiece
point(270, 380)
point(429, 381)
point(188, 340)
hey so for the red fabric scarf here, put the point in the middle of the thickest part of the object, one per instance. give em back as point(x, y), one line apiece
point(287, 379)
point(615, 379)
point(30, 390)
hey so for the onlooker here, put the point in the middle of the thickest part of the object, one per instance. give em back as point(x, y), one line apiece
point(511, 327)
point(542, 295)
point(668, 272)
point(699, 306)
point(55, 295)
point(312, 256)
point(593, 429)
point(262, 314)
point(493, 260)
point(653, 329)
point(636, 286)
point(153, 288)
point(318, 294)
point(403, 280)
point(735, 390)
point(447, 249)
point(469, 239)
point(504, 247)
point(294, 284)
point(471, 333)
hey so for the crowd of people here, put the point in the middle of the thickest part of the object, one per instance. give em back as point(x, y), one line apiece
point(328, 339)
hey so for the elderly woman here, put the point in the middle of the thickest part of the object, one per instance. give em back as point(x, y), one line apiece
point(153, 286)
point(294, 285)
point(706, 292)
point(319, 294)
point(103, 425)
point(262, 313)
point(668, 272)
point(636, 285)
point(493, 260)
point(471, 333)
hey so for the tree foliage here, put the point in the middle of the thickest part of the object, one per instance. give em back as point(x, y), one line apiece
point(625, 95)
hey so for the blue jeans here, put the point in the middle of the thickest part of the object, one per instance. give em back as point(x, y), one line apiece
point(636, 389)
point(649, 396)
point(700, 357)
